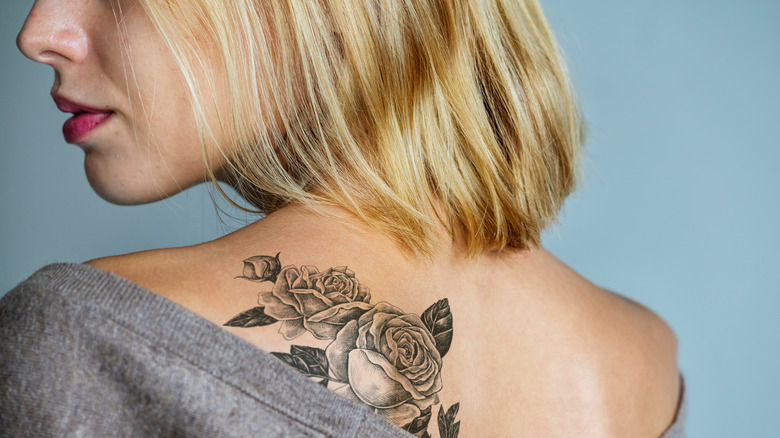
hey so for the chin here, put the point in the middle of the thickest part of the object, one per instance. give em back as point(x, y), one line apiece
point(126, 195)
point(132, 183)
point(128, 191)
point(121, 191)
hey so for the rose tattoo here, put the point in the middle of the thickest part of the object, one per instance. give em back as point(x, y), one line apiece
point(320, 302)
point(390, 360)
point(378, 355)
point(261, 268)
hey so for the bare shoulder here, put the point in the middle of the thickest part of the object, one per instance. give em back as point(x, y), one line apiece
point(189, 276)
point(596, 361)
point(646, 324)
point(146, 268)
point(638, 360)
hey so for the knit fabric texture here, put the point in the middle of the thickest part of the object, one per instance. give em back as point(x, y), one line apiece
point(84, 353)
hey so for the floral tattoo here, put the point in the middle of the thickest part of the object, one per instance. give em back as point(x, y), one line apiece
point(378, 354)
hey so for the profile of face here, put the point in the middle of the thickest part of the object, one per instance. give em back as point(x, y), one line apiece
point(131, 112)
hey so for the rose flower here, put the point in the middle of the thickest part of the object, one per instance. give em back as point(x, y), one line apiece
point(390, 360)
point(320, 302)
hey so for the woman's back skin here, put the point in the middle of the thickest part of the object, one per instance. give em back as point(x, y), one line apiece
point(537, 350)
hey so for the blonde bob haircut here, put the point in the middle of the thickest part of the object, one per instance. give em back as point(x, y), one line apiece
point(412, 115)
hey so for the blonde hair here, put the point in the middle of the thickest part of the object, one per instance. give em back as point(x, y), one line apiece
point(407, 114)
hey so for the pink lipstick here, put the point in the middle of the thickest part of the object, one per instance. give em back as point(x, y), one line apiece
point(85, 119)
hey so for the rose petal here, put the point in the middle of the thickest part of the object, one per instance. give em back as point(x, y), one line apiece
point(383, 307)
point(281, 289)
point(347, 392)
point(337, 298)
point(310, 301)
point(365, 338)
point(425, 336)
point(249, 270)
point(309, 270)
point(338, 350)
point(276, 308)
point(427, 382)
point(304, 282)
point(318, 284)
point(379, 321)
point(363, 294)
point(400, 415)
point(431, 384)
point(390, 347)
point(292, 328)
point(426, 362)
point(427, 402)
point(416, 336)
point(340, 285)
point(341, 313)
point(412, 320)
point(322, 330)
point(377, 382)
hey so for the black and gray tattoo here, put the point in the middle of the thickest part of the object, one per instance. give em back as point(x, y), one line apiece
point(378, 354)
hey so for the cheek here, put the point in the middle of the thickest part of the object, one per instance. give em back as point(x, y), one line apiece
point(144, 164)
point(160, 151)
point(169, 131)
point(163, 120)
point(161, 124)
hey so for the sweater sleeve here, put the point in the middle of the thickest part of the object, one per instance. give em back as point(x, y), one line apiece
point(84, 353)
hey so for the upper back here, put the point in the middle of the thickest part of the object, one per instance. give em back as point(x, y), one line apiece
point(529, 348)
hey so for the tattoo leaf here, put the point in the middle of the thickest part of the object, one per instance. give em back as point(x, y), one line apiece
point(310, 361)
point(438, 320)
point(448, 428)
point(315, 358)
point(419, 426)
point(254, 317)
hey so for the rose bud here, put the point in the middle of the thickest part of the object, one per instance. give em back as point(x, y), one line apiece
point(261, 268)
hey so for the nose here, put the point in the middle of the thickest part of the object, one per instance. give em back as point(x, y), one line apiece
point(52, 34)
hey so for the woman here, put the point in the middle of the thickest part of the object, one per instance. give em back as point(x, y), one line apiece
point(407, 155)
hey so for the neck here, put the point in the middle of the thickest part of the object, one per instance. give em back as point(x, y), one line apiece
point(335, 238)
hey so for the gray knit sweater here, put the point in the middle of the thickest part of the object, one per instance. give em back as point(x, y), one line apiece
point(88, 354)
point(84, 353)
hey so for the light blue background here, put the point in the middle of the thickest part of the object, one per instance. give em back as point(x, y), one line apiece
point(679, 208)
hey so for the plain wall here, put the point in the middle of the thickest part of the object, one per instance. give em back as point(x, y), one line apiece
point(678, 209)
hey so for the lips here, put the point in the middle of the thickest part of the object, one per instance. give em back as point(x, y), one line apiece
point(85, 119)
